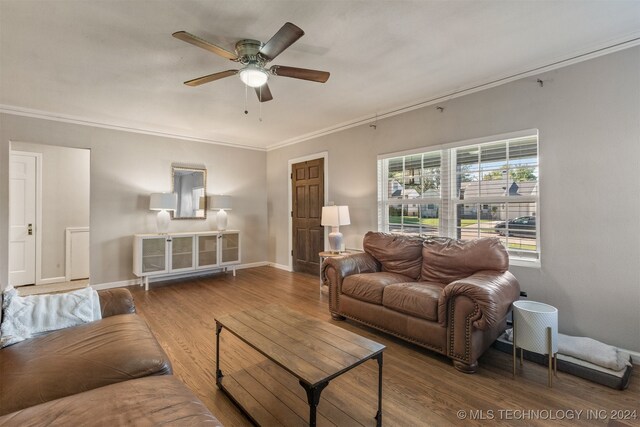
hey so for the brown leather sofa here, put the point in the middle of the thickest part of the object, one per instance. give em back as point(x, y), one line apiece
point(446, 295)
point(108, 372)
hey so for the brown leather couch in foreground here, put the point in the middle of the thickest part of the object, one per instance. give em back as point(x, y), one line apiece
point(449, 296)
point(108, 372)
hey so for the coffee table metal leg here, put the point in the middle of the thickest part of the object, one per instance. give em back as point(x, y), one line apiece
point(218, 371)
point(379, 414)
point(313, 397)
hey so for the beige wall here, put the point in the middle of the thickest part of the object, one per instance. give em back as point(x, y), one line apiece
point(588, 115)
point(65, 200)
point(125, 168)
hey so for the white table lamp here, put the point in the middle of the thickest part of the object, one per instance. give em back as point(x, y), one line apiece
point(535, 329)
point(335, 216)
point(221, 204)
point(163, 202)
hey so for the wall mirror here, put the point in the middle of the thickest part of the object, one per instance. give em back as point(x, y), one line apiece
point(190, 184)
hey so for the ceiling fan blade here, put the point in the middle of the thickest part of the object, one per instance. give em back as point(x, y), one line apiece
point(300, 73)
point(197, 41)
point(285, 37)
point(264, 93)
point(210, 78)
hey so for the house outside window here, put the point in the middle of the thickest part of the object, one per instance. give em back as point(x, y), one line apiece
point(483, 188)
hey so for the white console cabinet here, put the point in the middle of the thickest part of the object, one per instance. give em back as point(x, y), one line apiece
point(164, 255)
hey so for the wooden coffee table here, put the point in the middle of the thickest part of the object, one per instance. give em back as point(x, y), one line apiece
point(312, 351)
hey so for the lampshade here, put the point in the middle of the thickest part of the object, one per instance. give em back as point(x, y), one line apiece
point(335, 216)
point(163, 201)
point(253, 76)
point(220, 202)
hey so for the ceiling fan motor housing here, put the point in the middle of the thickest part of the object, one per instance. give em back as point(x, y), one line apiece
point(248, 52)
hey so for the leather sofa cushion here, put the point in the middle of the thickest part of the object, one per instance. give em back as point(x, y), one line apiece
point(370, 286)
point(396, 253)
point(151, 401)
point(418, 299)
point(70, 361)
point(447, 260)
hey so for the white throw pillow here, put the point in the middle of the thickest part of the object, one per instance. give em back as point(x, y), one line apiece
point(30, 316)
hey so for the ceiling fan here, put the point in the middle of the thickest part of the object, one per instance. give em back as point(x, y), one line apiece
point(254, 56)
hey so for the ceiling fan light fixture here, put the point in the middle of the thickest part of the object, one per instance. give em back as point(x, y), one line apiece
point(253, 76)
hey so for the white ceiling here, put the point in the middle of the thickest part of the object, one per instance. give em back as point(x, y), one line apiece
point(114, 62)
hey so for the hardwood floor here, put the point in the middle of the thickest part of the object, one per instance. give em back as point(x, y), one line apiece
point(52, 288)
point(420, 387)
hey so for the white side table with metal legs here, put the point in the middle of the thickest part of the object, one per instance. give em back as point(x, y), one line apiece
point(535, 329)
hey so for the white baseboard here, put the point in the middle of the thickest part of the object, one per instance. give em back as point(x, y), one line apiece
point(50, 280)
point(635, 356)
point(190, 274)
point(111, 285)
point(252, 265)
point(281, 266)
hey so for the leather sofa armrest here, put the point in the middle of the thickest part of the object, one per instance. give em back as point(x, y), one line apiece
point(492, 292)
point(116, 301)
point(334, 271)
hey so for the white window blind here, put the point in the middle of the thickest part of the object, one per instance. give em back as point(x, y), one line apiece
point(467, 191)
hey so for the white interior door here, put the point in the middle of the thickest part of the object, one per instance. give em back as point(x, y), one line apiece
point(22, 220)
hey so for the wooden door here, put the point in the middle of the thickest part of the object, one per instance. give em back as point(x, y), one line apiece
point(307, 183)
point(22, 218)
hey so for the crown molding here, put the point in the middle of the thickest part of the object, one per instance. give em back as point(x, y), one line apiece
point(610, 47)
point(65, 118)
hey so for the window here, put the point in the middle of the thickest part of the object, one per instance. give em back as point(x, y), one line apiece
point(489, 188)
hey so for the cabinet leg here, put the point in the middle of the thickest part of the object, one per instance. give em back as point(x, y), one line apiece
point(234, 272)
point(146, 283)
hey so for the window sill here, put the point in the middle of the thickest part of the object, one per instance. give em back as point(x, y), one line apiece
point(524, 262)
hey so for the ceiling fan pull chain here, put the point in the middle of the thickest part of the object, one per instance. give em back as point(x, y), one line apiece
point(245, 99)
point(260, 106)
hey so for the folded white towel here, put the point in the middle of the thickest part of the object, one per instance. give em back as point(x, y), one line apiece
point(588, 349)
point(593, 351)
point(26, 317)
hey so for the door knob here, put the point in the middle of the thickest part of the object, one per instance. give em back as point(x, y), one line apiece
point(30, 229)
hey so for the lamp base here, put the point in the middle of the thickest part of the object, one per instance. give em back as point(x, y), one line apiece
point(162, 221)
point(335, 240)
point(221, 220)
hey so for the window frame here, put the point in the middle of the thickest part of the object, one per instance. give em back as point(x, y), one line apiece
point(449, 200)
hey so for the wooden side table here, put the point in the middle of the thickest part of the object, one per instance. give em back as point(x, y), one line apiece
point(535, 329)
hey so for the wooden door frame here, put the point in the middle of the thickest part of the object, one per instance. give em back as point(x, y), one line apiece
point(321, 155)
point(38, 224)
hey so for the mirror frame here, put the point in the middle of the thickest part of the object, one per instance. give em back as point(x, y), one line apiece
point(175, 169)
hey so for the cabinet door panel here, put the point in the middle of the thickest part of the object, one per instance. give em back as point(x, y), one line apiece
point(230, 248)
point(182, 253)
point(154, 258)
point(207, 251)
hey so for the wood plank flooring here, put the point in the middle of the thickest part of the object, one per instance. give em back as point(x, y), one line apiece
point(421, 388)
